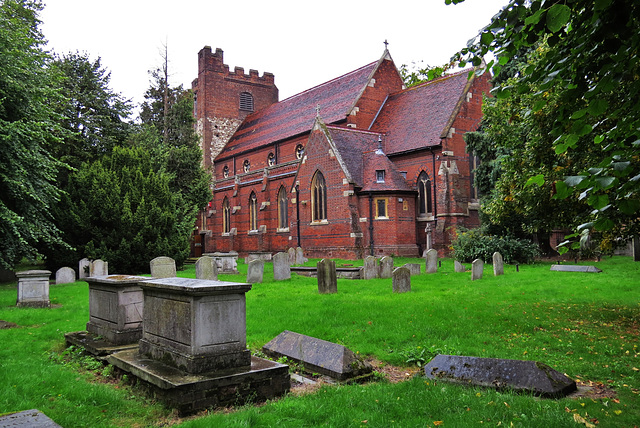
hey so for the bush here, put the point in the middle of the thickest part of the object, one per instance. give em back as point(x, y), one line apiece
point(476, 244)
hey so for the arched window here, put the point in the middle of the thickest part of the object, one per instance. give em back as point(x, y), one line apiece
point(226, 216)
point(283, 213)
point(253, 212)
point(246, 165)
point(299, 151)
point(424, 194)
point(246, 101)
point(271, 159)
point(318, 197)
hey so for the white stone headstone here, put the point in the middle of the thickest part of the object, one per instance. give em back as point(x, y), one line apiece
point(386, 267)
point(401, 280)
point(459, 267)
point(163, 267)
point(370, 268)
point(477, 268)
point(432, 260)
point(206, 268)
point(498, 264)
point(255, 271)
point(281, 267)
point(65, 275)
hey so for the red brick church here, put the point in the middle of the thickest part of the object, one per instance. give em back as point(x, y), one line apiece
point(358, 165)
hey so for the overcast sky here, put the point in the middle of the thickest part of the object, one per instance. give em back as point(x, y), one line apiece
point(303, 43)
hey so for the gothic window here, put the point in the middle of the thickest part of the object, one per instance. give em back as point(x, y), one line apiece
point(271, 159)
point(246, 101)
point(225, 171)
point(318, 197)
point(424, 194)
point(226, 216)
point(283, 213)
point(299, 151)
point(253, 212)
point(246, 166)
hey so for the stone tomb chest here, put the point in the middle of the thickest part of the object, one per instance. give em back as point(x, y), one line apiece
point(33, 288)
point(195, 325)
point(116, 308)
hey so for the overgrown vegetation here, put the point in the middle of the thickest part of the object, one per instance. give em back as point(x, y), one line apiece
point(469, 245)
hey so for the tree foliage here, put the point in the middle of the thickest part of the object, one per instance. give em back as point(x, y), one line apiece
point(592, 66)
point(417, 73)
point(28, 125)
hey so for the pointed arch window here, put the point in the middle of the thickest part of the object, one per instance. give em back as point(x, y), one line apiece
point(226, 216)
point(318, 197)
point(253, 212)
point(424, 195)
point(283, 213)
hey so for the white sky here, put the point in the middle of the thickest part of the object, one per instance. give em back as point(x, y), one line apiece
point(303, 43)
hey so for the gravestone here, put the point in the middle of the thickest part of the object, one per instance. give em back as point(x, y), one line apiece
point(327, 277)
point(291, 252)
point(458, 267)
point(281, 267)
point(65, 275)
point(401, 281)
point(300, 258)
point(163, 267)
point(414, 268)
point(33, 289)
point(84, 268)
point(432, 260)
point(318, 356)
point(370, 268)
point(477, 268)
point(27, 419)
point(526, 376)
point(498, 264)
point(227, 262)
point(386, 267)
point(98, 268)
point(575, 268)
point(206, 268)
point(255, 271)
point(636, 248)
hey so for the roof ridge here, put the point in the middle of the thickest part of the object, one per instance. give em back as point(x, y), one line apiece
point(347, 128)
point(433, 81)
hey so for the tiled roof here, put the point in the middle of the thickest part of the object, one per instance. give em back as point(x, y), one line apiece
point(359, 151)
point(416, 117)
point(295, 115)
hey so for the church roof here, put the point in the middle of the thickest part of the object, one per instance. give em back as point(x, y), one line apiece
point(420, 116)
point(295, 115)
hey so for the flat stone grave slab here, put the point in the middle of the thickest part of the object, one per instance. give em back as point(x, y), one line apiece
point(189, 392)
point(318, 356)
point(518, 375)
point(341, 272)
point(29, 418)
point(575, 268)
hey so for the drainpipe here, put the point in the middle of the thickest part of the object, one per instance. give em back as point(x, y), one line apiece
point(435, 188)
point(371, 222)
point(298, 213)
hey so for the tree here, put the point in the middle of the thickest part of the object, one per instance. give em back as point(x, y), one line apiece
point(592, 65)
point(123, 210)
point(416, 74)
point(28, 125)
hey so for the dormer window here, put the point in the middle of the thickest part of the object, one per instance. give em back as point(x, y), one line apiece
point(246, 101)
point(380, 176)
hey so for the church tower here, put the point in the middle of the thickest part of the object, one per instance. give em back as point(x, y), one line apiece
point(223, 99)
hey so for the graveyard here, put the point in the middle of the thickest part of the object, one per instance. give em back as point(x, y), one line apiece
point(583, 324)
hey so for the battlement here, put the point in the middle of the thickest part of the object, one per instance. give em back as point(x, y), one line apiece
point(214, 61)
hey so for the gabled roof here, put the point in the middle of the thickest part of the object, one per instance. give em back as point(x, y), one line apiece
point(421, 116)
point(295, 115)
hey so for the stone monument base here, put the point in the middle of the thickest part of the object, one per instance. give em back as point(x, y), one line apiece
point(95, 344)
point(189, 393)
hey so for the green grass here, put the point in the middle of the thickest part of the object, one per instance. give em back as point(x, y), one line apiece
point(585, 325)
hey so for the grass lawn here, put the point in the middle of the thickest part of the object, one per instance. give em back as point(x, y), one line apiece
point(585, 325)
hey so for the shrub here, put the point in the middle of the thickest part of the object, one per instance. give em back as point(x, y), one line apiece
point(476, 244)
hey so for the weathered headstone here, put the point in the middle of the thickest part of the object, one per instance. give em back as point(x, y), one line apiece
point(370, 268)
point(636, 248)
point(84, 268)
point(575, 268)
point(206, 268)
point(300, 258)
point(414, 268)
point(498, 264)
point(432, 261)
point(65, 275)
point(318, 356)
point(401, 281)
point(327, 277)
point(458, 267)
point(281, 267)
point(98, 268)
point(33, 288)
point(163, 267)
point(29, 418)
point(527, 376)
point(477, 268)
point(292, 256)
point(386, 267)
point(255, 271)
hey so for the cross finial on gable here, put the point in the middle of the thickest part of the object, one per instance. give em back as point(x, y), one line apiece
point(386, 44)
point(318, 110)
